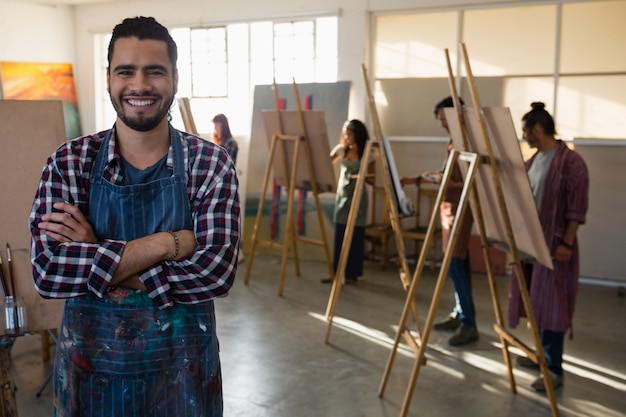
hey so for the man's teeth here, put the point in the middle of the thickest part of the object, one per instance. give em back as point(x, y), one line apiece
point(140, 102)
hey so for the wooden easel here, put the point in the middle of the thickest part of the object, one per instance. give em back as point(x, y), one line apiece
point(470, 187)
point(8, 404)
point(338, 281)
point(185, 111)
point(291, 238)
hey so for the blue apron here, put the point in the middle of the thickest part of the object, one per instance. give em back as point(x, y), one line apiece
point(120, 355)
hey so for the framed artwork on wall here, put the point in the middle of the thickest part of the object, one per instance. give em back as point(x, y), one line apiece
point(43, 81)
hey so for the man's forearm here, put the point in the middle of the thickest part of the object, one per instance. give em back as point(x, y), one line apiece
point(570, 232)
point(142, 253)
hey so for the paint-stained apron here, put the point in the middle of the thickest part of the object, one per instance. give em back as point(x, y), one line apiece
point(120, 355)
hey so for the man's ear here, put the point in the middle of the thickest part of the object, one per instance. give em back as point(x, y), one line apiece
point(176, 82)
point(108, 81)
point(537, 130)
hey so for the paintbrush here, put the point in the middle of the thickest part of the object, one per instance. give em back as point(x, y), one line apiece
point(10, 287)
point(3, 282)
point(16, 321)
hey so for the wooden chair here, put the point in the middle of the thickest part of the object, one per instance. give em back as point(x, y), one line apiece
point(428, 195)
point(378, 231)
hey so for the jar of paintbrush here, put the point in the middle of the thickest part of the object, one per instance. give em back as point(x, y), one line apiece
point(13, 308)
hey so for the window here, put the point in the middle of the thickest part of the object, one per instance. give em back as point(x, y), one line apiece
point(570, 63)
point(219, 66)
point(412, 45)
point(105, 115)
point(209, 62)
point(294, 51)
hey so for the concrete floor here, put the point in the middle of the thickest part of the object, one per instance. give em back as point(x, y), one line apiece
point(275, 361)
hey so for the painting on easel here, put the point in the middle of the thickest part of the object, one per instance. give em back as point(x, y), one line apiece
point(315, 127)
point(43, 81)
point(405, 206)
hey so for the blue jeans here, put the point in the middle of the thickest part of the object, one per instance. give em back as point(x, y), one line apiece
point(461, 277)
point(552, 343)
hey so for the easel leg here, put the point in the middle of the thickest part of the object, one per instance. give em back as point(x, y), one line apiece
point(430, 320)
point(511, 241)
point(259, 214)
point(8, 404)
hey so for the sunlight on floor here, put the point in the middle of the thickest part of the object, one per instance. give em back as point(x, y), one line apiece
point(587, 370)
point(575, 366)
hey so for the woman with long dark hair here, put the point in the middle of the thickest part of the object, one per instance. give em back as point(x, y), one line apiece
point(349, 151)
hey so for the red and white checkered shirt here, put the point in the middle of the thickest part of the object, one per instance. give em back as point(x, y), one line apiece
point(64, 270)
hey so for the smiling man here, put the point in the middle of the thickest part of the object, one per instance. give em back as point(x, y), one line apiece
point(138, 228)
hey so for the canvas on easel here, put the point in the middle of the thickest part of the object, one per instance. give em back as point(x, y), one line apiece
point(484, 134)
point(512, 173)
point(522, 243)
point(317, 136)
point(293, 160)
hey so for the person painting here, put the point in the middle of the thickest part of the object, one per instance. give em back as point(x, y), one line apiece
point(462, 319)
point(349, 151)
point(223, 137)
point(560, 184)
point(137, 227)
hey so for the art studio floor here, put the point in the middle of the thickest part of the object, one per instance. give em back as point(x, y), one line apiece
point(276, 364)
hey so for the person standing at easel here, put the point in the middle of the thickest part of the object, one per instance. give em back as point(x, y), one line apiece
point(560, 183)
point(462, 319)
point(349, 151)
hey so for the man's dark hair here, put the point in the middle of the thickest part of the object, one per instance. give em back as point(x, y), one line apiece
point(446, 102)
point(539, 116)
point(144, 28)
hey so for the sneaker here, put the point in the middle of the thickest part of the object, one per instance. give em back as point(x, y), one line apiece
point(450, 324)
point(463, 336)
point(525, 362)
point(539, 386)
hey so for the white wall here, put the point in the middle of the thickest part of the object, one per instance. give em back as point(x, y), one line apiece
point(35, 33)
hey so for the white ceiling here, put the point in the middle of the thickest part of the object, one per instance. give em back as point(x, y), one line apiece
point(62, 2)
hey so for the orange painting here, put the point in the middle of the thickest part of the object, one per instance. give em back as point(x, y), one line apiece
point(41, 81)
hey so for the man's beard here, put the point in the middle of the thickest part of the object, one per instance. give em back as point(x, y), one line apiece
point(141, 123)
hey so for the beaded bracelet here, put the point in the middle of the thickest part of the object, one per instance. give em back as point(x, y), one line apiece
point(177, 243)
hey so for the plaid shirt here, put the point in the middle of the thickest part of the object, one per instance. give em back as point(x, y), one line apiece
point(63, 270)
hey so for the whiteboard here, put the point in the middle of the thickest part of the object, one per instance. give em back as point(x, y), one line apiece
point(601, 238)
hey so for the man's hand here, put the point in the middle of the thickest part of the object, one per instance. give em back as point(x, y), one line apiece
point(409, 180)
point(562, 253)
point(69, 225)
